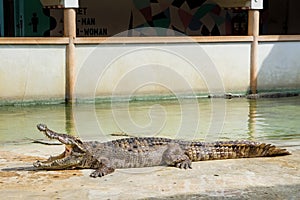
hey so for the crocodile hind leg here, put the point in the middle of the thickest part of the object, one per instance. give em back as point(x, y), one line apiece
point(175, 156)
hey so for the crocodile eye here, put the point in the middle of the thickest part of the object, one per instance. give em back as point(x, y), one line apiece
point(79, 141)
point(68, 150)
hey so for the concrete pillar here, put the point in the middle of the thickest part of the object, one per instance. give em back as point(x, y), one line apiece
point(70, 32)
point(253, 30)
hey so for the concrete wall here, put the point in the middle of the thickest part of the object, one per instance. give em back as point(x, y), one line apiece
point(279, 66)
point(37, 72)
point(107, 70)
point(32, 72)
point(233, 63)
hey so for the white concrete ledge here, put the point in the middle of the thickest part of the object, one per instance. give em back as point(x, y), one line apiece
point(34, 40)
point(279, 38)
point(146, 40)
point(161, 40)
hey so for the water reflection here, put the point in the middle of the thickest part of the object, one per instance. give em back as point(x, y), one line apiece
point(263, 119)
point(252, 118)
point(70, 122)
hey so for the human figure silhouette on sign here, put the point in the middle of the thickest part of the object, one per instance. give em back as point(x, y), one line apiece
point(34, 22)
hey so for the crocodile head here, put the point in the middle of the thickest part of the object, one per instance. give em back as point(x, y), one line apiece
point(73, 155)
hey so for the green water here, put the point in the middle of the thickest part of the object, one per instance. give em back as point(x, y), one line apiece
point(268, 120)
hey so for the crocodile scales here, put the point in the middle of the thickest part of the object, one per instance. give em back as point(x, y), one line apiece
point(135, 152)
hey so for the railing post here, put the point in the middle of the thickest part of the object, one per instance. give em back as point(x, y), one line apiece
point(253, 30)
point(70, 32)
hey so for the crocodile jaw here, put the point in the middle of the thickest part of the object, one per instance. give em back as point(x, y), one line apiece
point(72, 157)
point(68, 159)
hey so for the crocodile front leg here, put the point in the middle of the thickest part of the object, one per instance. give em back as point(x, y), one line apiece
point(103, 169)
point(175, 156)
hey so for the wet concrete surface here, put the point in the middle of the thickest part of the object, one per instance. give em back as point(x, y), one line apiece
point(254, 178)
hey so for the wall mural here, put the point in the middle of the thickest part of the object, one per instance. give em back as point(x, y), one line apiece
point(190, 17)
point(185, 16)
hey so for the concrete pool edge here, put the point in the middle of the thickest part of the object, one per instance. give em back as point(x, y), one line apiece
point(148, 97)
point(272, 177)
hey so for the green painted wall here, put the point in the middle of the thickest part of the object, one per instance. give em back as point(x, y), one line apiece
point(30, 18)
point(36, 23)
point(1, 19)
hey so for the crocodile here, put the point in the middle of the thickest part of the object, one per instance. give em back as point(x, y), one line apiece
point(136, 152)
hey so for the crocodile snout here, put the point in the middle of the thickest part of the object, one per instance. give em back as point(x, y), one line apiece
point(42, 127)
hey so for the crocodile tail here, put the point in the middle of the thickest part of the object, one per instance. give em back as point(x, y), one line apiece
point(271, 150)
point(198, 151)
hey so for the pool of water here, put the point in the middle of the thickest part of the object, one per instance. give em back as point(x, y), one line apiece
point(268, 120)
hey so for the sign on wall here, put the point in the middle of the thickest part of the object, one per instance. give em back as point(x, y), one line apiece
point(247, 4)
point(102, 18)
point(60, 3)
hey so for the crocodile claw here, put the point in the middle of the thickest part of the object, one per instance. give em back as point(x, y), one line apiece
point(102, 172)
point(185, 164)
point(37, 163)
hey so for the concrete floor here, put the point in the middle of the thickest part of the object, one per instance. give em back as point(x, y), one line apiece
point(259, 178)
